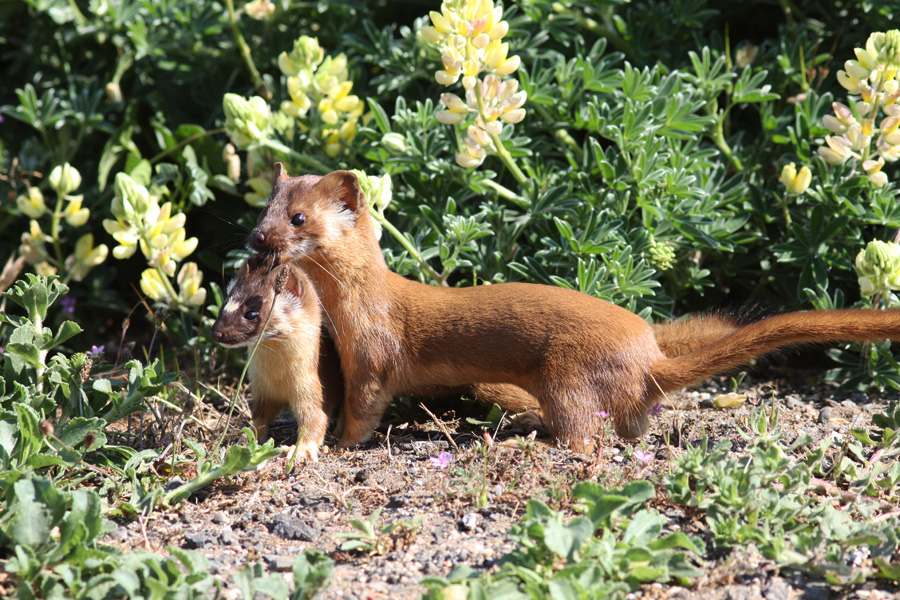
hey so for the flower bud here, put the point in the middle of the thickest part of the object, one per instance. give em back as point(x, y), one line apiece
point(395, 143)
point(259, 9)
point(64, 179)
point(232, 163)
point(891, 48)
point(113, 92)
point(134, 198)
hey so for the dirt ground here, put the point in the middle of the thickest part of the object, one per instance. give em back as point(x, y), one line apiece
point(271, 516)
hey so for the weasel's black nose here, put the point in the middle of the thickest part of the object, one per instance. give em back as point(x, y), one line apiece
point(257, 240)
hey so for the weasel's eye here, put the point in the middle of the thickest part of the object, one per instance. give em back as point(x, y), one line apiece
point(298, 220)
point(251, 315)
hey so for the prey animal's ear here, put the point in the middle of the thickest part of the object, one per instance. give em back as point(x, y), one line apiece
point(278, 177)
point(287, 281)
point(343, 187)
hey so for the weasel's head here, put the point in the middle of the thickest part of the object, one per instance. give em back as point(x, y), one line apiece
point(257, 290)
point(307, 216)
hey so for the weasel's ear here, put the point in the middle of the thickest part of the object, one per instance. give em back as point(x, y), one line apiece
point(343, 187)
point(289, 281)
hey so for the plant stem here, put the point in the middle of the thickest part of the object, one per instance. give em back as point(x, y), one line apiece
point(241, 380)
point(184, 143)
point(54, 234)
point(413, 251)
point(506, 193)
point(245, 52)
point(499, 149)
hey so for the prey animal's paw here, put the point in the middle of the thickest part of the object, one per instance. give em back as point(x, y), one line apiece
point(304, 452)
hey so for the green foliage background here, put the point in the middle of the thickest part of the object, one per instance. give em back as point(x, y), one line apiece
point(642, 128)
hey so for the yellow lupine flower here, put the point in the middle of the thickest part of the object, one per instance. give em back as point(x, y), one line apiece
point(32, 204)
point(189, 281)
point(74, 214)
point(152, 285)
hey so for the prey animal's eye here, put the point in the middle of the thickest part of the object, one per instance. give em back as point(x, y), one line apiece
point(298, 220)
point(251, 315)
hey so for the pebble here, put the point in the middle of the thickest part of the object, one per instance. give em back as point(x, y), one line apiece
point(470, 521)
point(194, 540)
point(291, 528)
point(825, 415)
point(227, 536)
point(363, 475)
point(278, 563)
point(219, 518)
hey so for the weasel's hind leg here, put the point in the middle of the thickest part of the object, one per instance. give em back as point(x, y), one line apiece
point(361, 414)
point(571, 412)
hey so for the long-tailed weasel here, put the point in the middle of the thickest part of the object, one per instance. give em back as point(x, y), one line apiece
point(296, 365)
point(577, 354)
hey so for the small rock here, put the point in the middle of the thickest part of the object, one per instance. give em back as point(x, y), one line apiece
point(363, 475)
point(278, 563)
point(219, 518)
point(470, 521)
point(778, 589)
point(793, 401)
point(193, 540)
point(398, 501)
point(498, 490)
point(227, 536)
point(825, 415)
point(706, 403)
point(815, 590)
point(291, 528)
point(120, 534)
point(173, 484)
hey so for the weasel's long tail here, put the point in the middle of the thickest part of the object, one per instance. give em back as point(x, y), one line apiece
point(769, 334)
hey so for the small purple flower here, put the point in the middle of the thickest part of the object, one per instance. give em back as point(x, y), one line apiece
point(68, 304)
point(602, 414)
point(657, 408)
point(96, 351)
point(442, 460)
point(642, 455)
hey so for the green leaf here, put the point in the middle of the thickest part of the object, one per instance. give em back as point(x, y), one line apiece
point(567, 539)
point(67, 330)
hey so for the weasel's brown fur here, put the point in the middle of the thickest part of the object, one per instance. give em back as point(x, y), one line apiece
point(577, 354)
point(296, 365)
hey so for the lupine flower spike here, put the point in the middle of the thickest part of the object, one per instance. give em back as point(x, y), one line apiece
point(142, 223)
point(468, 34)
point(871, 81)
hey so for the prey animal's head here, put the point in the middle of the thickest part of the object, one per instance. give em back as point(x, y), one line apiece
point(258, 290)
point(307, 216)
